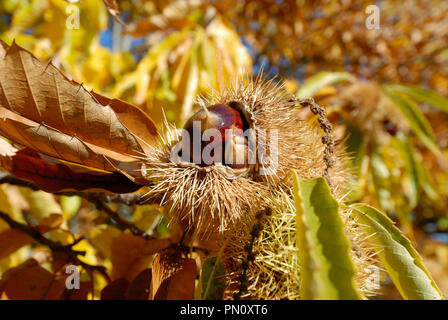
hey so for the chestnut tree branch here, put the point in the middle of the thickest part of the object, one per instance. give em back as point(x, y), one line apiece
point(125, 198)
point(125, 224)
point(10, 179)
point(55, 247)
point(99, 199)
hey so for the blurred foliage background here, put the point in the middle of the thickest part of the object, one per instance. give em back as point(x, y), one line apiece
point(385, 90)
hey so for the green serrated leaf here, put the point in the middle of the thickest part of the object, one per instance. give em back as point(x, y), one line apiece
point(407, 152)
point(322, 80)
point(212, 280)
point(427, 182)
point(416, 120)
point(326, 268)
point(403, 263)
point(387, 179)
point(423, 95)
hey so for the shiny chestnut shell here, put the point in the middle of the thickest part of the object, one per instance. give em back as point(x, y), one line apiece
point(221, 117)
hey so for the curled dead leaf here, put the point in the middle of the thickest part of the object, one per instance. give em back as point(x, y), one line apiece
point(12, 240)
point(112, 7)
point(85, 287)
point(29, 281)
point(29, 165)
point(42, 109)
point(131, 254)
point(140, 286)
point(122, 289)
point(53, 221)
point(116, 290)
point(173, 277)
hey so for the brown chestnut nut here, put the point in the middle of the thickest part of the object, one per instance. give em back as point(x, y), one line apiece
point(217, 136)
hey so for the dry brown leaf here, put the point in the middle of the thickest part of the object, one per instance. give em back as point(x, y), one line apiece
point(56, 289)
point(41, 109)
point(85, 287)
point(12, 272)
point(122, 289)
point(134, 118)
point(112, 7)
point(50, 223)
point(140, 286)
point(29, 281)
point(28, 165)
point(131, 254)
point(116, 290)
point(173, 277)
point(12, 240)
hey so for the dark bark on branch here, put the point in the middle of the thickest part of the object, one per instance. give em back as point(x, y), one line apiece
point(125, 198)
point(97, 198)
point(100, 201)
point(10, 179)
point(55, 247)
point(125, 224)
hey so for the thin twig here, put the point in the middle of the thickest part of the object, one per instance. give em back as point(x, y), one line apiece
point(125, 224)
point(10, 179)
point(125, 198)
point(129, 199)
point(97, 198)
point(55, 247)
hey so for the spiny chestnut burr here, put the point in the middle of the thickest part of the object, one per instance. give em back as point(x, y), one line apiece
point(216, 135)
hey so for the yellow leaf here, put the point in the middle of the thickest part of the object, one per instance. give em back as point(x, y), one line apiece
point(42, 204)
